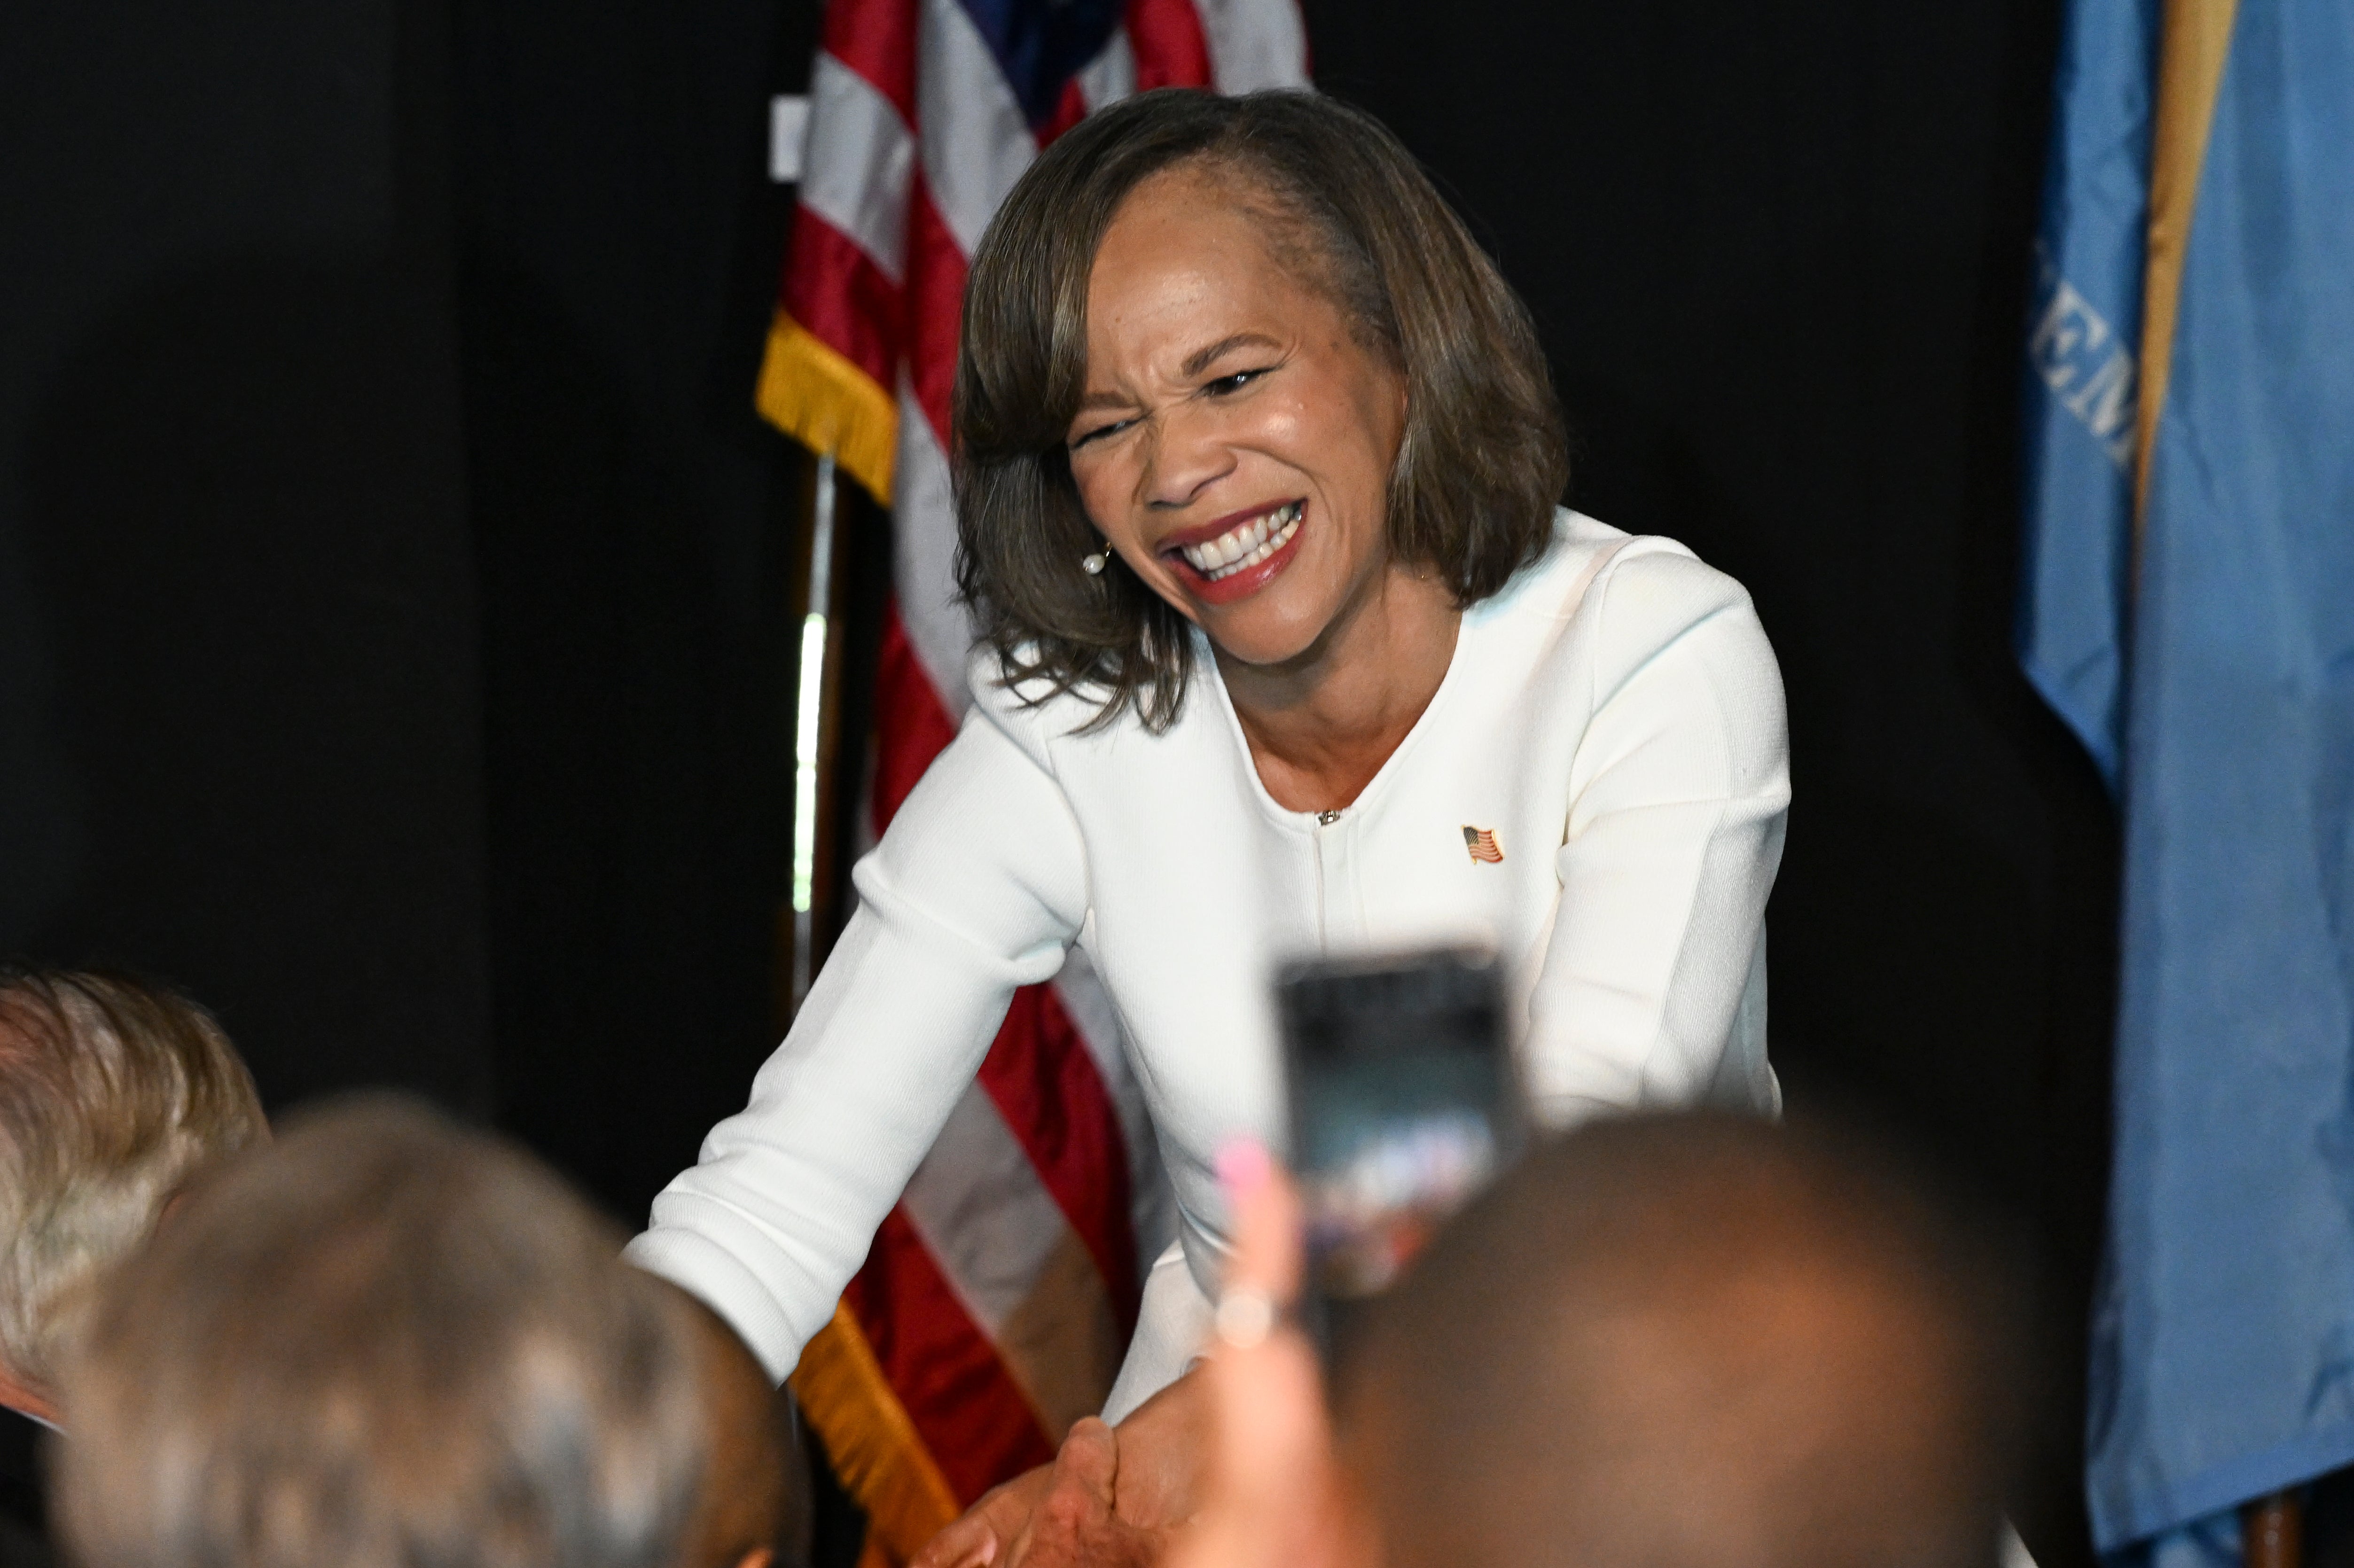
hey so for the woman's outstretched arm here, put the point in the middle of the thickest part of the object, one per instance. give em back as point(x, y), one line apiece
point(978, 886)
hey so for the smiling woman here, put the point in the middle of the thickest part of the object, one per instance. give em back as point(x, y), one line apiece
point(1197, 248)
point(1285, 649)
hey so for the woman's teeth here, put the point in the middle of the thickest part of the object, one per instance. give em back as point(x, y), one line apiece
point(1247, 544)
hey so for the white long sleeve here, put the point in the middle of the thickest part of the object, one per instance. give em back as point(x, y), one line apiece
point(1614, 718)
point(1678, 791)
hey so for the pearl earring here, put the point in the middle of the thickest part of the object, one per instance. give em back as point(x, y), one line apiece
point(1095, 564)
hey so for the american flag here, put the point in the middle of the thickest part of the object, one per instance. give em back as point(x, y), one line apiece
point(999, 1296)
point(1481, 843)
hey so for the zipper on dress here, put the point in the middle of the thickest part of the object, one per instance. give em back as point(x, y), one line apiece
point(1323, 820)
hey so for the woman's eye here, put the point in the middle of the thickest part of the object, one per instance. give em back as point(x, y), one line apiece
point(1083, 439)
point(1234, 383)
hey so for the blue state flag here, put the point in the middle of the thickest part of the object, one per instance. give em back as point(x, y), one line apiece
point(2188, 606)
point(2083, 341)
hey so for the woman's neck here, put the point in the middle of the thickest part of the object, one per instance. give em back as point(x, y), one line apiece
point(1321, 726)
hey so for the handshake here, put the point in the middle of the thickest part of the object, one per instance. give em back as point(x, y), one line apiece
point(1677, 1341)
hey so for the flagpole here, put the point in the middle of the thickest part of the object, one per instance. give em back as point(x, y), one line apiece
point(2271, 1532)
point(808, 727)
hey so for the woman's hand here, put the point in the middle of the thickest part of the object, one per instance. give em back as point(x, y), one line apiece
point(1164, 1445)
point(1111, 1499)
point(1063, 1515)
point(989, 1525)
point(1246, 1437)
point(1077, 1522)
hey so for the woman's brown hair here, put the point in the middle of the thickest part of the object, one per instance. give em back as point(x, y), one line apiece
point(1484, 455)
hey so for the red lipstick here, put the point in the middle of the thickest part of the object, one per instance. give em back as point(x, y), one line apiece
point(1233, 586)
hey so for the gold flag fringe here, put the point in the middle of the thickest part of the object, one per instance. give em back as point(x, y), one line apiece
point(827, 404)
point(872, 1444)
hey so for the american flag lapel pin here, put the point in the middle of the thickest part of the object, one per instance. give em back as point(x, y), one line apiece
point(1482, 844)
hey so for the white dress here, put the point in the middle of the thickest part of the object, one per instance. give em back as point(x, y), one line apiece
point(1614, 718)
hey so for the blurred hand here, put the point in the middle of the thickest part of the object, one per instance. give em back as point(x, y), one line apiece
point(1273, 1492)
point(988, 1527)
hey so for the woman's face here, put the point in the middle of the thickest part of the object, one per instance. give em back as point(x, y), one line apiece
point(1234, 441)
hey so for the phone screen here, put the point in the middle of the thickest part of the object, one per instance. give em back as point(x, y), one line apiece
point(1404, 1104)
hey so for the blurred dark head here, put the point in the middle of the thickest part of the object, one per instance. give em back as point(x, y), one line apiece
point(113, 1093)
point(385, 1341)
point(1688, 1341)
point(752, 1507)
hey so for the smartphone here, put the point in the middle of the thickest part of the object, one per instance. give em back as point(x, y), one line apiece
point(1404, 1105)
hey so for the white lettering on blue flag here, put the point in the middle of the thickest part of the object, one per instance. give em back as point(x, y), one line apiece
point(2082, 342)
point(2083, 361)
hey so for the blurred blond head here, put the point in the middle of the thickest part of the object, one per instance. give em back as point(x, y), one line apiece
point(112, 1094)
point(381, 1341)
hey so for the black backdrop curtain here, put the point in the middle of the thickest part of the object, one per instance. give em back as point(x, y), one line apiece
point(395, 643)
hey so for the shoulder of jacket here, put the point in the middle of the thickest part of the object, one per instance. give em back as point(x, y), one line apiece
point(1655, 593)
point(1619, 599)
point(1031, 713)
point(1656, 580)
point(1589, 561)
